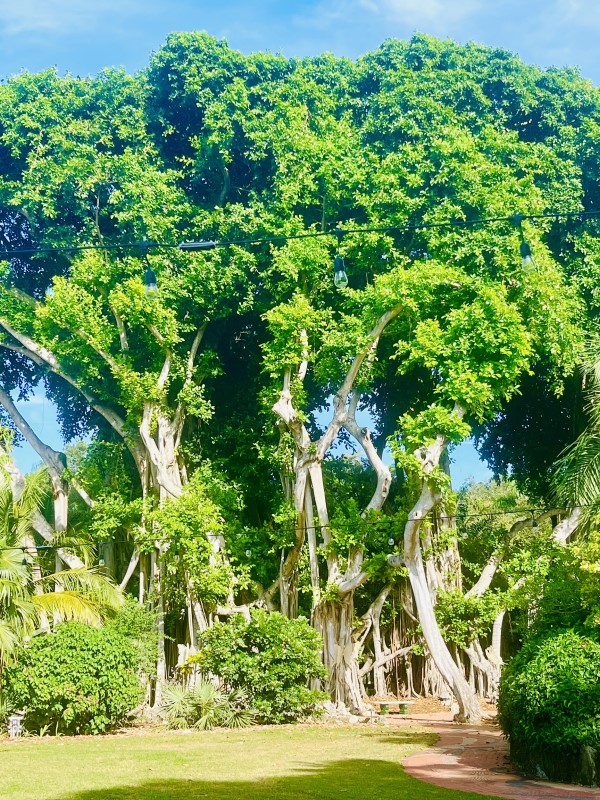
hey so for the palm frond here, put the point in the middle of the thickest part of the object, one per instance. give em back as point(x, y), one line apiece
point(8, 642)
point(576, 481)
point(204, 707)
point(66, 606)
point(77, 542)
point(100, 589)
point(36, 489)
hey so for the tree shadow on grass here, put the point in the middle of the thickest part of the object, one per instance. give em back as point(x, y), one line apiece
point(412, 737)
point(353, 779)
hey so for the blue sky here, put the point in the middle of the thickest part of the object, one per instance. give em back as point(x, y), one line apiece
point(82, 37)
point(40, 414)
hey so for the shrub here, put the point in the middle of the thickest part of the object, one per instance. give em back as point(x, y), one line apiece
point(549, 705)
point(76, 680)
point(137, 624)
point(270, 658)
point(204, 707)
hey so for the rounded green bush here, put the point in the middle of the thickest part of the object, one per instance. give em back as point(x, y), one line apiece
point(271, 658)
point(550, 697)
point(77, 679)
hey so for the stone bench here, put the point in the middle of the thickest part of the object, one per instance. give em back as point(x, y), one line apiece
point(387, 707)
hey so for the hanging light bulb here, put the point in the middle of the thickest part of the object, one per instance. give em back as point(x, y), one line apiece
point(150, 285)
point(534, 522)
point(340, 279)
point(248, 553)
point(391, 541)
point(527, 260)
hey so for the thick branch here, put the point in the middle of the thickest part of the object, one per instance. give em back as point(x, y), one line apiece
point(122, 330)
point(341, 397)
point(178, 419)
point(565, 529)
point(82, 493)
point(229, 611)
point(367, 667)
point(350, 584)
point(44, 357)
point(363, 437)
point(133, 562)
point(24, 352)
point(303, 368)
point(164, 373)
point(157, 334)
point(52, 458)
point(488, 572)
point(284, 409)
point(162, 474)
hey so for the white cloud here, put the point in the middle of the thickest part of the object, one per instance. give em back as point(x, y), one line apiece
point(416, 13)
point(59, 16)
point(397, 17)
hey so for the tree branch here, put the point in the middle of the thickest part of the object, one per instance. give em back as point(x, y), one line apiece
point(178, 419)
point(44, 357)
point(403, 651)
point(363, 437)
point(122, 330)
point(488, 572)
point(54, 460)
point(133, 562)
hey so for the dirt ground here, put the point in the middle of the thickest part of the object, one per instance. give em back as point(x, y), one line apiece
point(429, 705)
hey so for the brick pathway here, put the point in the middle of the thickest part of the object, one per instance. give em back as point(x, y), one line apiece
point(474, 758)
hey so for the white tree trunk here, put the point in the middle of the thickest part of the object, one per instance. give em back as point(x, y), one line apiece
point(334, 620)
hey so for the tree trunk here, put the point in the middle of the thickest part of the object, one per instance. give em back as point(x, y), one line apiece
point(288, 589)
point(429, 456)
point(108, 553)
point(379, 665)
point(334, 620)
point(311, 535)
point(469, 710)
point(497, 635)
point(161, 659)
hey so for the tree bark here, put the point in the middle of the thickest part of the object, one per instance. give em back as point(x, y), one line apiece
point(334, 621)
point(469, 710)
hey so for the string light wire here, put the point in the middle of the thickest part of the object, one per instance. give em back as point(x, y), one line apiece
point(208, 244)
point(387, 520)
point(145, 245)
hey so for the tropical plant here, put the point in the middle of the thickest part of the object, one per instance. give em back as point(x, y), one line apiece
point(76, 679)
point(31, 600)
point(205, 706)
point(271, 659)
point(576, 478)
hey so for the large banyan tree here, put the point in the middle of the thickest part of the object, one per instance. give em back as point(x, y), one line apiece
point(274, 440)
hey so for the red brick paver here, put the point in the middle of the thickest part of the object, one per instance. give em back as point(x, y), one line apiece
point(474, 758)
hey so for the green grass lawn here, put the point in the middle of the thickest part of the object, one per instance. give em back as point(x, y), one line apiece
point(279, 763)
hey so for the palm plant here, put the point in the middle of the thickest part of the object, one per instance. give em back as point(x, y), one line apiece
point(29, 598)
point(577, 477)
point(205, 706)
